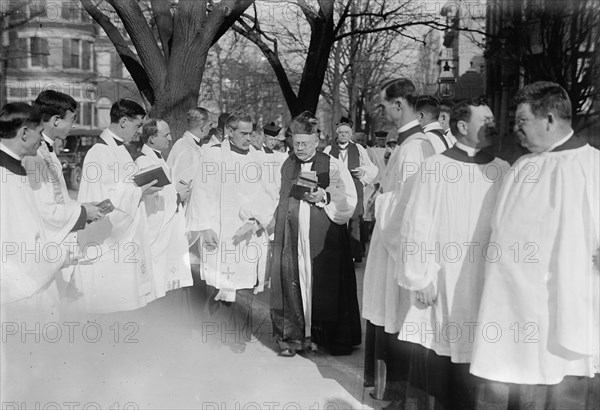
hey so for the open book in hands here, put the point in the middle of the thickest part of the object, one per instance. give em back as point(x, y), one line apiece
point(149, 174)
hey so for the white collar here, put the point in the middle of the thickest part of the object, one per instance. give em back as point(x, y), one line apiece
point(469, 150)
point(155, 150)
point(408, 126)
point(433, 126)
point(9, 151)
point(560, 142)
point(48, 140)
point(112, 134)
point(342, 146)
point(193, 136)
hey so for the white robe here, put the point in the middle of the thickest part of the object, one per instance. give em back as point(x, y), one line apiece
point(444, 232)
point(377, 156)
point(59, 212)
point(231, 192)
point(381, 293)
point(365, 162)
point(184, 159)
point(115, 272)
point(166, 232)
point(29, 261)
point(343, 199)
point(436, 142)
point(540, 297)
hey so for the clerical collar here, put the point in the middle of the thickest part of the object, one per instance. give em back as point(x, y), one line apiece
point(469, 150)
point(560, 142)
point(433, 126)
point(311, 159)
point(49, 142)
point(460, 154)
point(196, 139)
point(9, 152)
point(408, 126)
point(343, 146)
point(238, 150)
point(158, 154)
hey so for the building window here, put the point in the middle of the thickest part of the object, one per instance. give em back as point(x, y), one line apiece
point(75, 53)
point(86, 55)
point(116, 66)
point(70, 11)
point(38, 9)
point(38, 49)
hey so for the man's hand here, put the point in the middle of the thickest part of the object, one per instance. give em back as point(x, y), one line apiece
point(209, 239)
point(428, 295)
point(149, 188)
point(315, 197)
point(357, 173)
point(184, 190)
point(245, 232)
point(93, 212)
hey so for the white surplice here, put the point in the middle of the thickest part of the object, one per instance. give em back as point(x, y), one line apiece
point(540, 299)
point(444, 232)
point(365, 163)
point(166, 232)
point(343, 199)
point(230, 192)
point(436, 141)
point(381, 292)
point(115, 272)
point(29, 260)
point(185, 158)
point(59, 212)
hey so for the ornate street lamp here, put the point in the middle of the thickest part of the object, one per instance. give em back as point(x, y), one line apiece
point(446, 82)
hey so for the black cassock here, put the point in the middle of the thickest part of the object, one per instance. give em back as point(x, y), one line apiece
point(335, 315)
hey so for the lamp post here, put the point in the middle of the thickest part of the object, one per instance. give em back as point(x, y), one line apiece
point(446, 82)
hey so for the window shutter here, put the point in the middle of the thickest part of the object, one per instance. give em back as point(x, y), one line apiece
point(66, 53)
point(85, 58)
point(45, 52)
point(22, 60)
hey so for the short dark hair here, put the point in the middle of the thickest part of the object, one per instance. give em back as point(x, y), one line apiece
point(545, 97)
point(125, 108)
point(149, 129)
point(15, 115)
point(51, 103)
point(222, 120)
point(462, 112)
point(429, 105)
point(400, 88)
point(304, 123)
point(446, 105)
point(235, 118)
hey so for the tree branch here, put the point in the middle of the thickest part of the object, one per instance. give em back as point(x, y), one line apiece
point(164, 24)
point(129, 58)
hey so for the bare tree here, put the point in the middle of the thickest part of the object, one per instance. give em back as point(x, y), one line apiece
point(553, 41)
point(330, 21)
point(171, 41)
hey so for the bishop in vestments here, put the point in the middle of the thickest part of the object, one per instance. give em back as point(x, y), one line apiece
point(541, 293)
point(313, 284)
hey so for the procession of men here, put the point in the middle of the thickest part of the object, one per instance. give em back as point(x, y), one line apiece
point(481, 283)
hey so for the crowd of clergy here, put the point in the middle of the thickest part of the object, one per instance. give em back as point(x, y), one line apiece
point(481, 286)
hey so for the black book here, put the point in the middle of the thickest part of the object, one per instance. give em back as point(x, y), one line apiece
point(149, 174)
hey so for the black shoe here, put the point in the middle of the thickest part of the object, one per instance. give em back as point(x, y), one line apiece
point(287, 353)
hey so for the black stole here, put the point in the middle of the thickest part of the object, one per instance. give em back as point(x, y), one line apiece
point(458, 154)
point(326, 253)
point(11, 164)
point(440, 134)
point(407, 133)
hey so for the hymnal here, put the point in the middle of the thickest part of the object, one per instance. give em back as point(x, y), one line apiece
point(306, 183)
point(149, 174)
